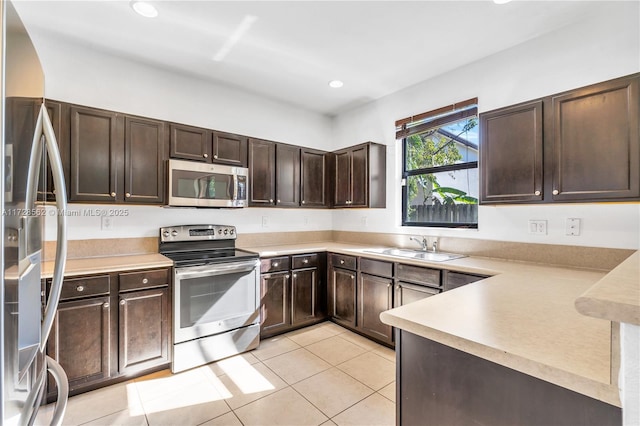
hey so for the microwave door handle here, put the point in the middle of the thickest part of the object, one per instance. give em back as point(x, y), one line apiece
point(234, 196)
point(51, 145)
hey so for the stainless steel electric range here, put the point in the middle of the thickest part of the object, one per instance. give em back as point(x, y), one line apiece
point(216, 294)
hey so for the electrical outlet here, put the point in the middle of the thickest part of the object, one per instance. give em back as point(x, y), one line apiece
point(573, 226)
point(265, 221)
point(106, 223)
point(538, 227)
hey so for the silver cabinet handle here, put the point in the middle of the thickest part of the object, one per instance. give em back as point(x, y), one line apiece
point(275, 264)
point(205, 155)
point(295, 275)
point(278, 201)
point(342, 261)
point(123, 302)
point(305, 261)
point(215, 156)
point(128, 194)
point(537, 193)
point(302, 201)
point(556, 192)
point(271, 200)
point(80, 288)
point(105, 306)
point(113, 195)
point(145, 280)
point(44, 127)
point(353, 277)
point(388, 285)
point(287, 276)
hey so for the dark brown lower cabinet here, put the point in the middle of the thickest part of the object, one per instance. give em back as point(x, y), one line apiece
point(80, 341)
point(144, 329)
point(98, 345)
point(407, 293)
point(275, 312)
point(342, 296)
point(440, 385)
point(453, 280)
point(375, 295)
point(292, 297)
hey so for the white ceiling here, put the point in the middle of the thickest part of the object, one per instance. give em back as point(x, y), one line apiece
point(294, 48)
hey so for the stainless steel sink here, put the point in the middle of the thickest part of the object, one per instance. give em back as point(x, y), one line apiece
point(417, 254)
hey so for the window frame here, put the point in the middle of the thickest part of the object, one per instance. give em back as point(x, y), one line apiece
point(454, 116)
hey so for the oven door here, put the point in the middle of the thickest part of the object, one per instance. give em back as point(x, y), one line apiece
point(215, 298)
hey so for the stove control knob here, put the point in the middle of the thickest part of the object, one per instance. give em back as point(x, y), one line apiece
point(165, 234)
point(226, 231)
point(220, 231)
point(174, 233)
point(231, 231)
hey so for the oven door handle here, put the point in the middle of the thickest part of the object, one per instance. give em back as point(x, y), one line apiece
point(218, 269)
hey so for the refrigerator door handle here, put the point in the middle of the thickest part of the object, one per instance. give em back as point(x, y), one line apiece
point(58, 374)
point(44, 127)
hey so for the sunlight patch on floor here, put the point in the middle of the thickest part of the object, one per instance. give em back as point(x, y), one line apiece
point(245, 376)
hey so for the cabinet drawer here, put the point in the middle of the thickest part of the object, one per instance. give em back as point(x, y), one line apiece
point(143, 279)
point(416, 274)
point(376, 267)
point(458, 279)
point(274, 264)
point(343, 261)
point(74, 288)
point(304, 261)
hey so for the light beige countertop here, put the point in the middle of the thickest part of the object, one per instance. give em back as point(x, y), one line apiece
point(98, 265)
point(616, 297)
point(522, 317)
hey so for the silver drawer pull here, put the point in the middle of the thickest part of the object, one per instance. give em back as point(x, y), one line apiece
point(145, 280)
point(80, 288)
point(341, 261)
point(275, 264)
point(305, 261)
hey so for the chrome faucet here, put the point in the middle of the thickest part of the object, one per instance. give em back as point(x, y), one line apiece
point(434, 245)
point(423, 243)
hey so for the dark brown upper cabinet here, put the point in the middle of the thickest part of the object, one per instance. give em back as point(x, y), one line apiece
point(144, 171)
point(197, 144)
point(596, 149)
point(262, 173)
point(97, 151)
point(57, 115)
point(313, 182)
point(577, 146)
point(511, 154)
point(190, 143)
point(287, 175)
point(229, 149)
point(115, 158)
point(359, 176)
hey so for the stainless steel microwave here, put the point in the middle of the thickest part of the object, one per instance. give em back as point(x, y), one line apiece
point(194, 184)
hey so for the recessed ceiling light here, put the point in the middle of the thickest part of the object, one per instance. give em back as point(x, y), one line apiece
point(336, 84)
point(144, 9)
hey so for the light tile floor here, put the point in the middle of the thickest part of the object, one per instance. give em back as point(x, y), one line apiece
point(319, 375)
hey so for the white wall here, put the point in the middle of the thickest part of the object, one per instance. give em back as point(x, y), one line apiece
point(80, 75)
point(577, 55)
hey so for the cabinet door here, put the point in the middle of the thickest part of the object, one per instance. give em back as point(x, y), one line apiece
point(375, 295)
point(144, 173)
point(287, 175)
point(229, 149)
point(597, 146)
point(80, 341)
point(96, 155)
point(342, 296)
point(190, 143)
point(342, 179)
point(511, 153)
point(304, 295)
point(313, 178)
point(407, 293)
point(262, 184)
point(144, 329)
point(360, 177)
point(274, 307)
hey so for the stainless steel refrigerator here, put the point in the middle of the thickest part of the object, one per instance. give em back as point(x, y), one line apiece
point(30, 153)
